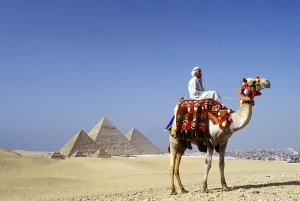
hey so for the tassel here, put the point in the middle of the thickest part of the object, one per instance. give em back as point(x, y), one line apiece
point(192, 109)
point(185, 111)
point(203, 127)
point(183, 134)
point(188, 126)
point(181, 118)
point(190, 117)
point(188, 134)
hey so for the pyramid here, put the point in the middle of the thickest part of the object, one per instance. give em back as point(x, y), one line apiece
point(57, 155)
point(101, 153)
point(141, 142)
point(80, 142)
point(109, 138)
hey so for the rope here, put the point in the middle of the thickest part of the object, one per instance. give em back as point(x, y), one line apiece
point(228, 98)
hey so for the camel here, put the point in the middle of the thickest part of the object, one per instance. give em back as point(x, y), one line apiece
point(218, 137)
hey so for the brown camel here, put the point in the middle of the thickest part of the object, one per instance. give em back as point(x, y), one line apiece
point(218, 137)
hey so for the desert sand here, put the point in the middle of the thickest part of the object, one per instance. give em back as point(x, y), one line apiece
point(33, 177)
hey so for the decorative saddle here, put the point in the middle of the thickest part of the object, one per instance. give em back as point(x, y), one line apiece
point(193, 115)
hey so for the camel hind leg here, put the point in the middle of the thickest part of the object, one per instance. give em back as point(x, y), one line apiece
point(171, 169)
point(175, 159)
point(177, 164)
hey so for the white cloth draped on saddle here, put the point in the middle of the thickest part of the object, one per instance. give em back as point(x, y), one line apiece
point(196, 90)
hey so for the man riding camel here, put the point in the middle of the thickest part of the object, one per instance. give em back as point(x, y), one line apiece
point(196, 87)
point(197, 91)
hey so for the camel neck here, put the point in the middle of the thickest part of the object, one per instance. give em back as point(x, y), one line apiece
point(241, 117)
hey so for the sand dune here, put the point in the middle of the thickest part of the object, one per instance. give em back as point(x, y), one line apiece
point(24, 177)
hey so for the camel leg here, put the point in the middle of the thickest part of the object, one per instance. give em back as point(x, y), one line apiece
point(222, 149)
point(207, 166)
point(172, 163)
point(177, 164)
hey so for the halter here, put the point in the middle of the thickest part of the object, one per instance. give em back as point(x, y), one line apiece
point(250, 90)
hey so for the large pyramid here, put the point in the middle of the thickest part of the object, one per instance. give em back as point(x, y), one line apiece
point(80, 142)
point(109, 138)
point(141, 142)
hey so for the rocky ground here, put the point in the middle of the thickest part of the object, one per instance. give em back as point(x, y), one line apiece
point(31, 178)
point(265, 187)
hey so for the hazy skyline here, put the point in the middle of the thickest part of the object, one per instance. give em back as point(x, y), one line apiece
point(66, 65)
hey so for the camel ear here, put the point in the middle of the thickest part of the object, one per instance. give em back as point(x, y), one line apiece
point(245, 80)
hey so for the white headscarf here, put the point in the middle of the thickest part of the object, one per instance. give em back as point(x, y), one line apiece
point(195, 69)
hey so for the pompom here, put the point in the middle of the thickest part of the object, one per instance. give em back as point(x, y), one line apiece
point(220, 125)
point(223, 115)
point(228, 111)
point(229, 119)
point(224, 123)
point(250, 92)
point(241, 101)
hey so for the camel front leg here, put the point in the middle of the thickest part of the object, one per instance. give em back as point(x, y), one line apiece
point(207, 167)
point(222, 149)
point(177, 164)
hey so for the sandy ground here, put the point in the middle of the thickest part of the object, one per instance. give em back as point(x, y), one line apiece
point(33, 177)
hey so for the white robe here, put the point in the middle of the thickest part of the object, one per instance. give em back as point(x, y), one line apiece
point(196, 90)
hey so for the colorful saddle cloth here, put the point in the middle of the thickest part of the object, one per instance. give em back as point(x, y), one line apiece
point(193, 115)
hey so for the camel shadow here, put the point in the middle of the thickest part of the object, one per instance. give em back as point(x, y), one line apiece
point(287, 183)
point(254, 186)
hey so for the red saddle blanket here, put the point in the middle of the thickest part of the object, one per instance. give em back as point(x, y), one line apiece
point(194, 114)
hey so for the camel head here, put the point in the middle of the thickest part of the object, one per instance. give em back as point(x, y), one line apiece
point(251, 87)
point(262, 82)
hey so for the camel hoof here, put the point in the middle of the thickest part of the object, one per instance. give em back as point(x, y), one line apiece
point(205, 190)
point(225, 188)
point(183, 191)
point(173, 192)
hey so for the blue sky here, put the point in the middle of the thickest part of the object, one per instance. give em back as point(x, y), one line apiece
point(64, 65)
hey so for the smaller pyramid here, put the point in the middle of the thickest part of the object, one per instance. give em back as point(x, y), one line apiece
point(141, 142)
point(57, 155)
point(101, 154)
point(81, 142)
